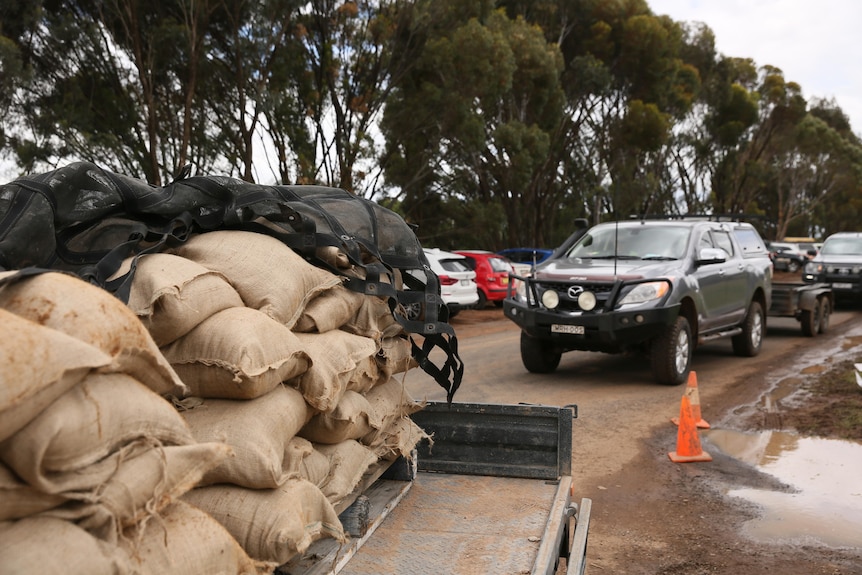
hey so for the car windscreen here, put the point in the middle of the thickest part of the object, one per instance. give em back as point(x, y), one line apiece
point(842, 246)
point(632, 242)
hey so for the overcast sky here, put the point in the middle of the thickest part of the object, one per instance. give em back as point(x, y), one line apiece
point(814, 43)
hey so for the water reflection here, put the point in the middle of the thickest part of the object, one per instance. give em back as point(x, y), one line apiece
point(825, 474)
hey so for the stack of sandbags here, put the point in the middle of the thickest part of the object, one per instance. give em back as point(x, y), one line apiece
point(293, 370)
point(93, 457)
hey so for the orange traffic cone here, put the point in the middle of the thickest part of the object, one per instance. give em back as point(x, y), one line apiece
point(694, 398)
point(687, 440)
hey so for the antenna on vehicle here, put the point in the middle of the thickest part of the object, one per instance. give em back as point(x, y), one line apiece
point(616, 230)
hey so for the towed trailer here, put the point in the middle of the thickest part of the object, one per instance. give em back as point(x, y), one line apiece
point(810, 304)
point(492, 493)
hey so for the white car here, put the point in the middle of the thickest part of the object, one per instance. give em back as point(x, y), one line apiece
point(457, 281)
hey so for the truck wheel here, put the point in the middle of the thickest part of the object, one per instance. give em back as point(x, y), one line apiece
point(810, 319)
point(538, 356)
point(825, 313)
point(748, 343)
point(671, 353)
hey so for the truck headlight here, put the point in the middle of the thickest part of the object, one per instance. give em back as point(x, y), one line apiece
point(645, 292)
point(550, 299)
point(813, 268)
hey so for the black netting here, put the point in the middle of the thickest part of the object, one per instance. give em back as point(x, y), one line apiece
point(86, 220)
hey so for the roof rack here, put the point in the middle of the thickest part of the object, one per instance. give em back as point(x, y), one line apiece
point(729, 217)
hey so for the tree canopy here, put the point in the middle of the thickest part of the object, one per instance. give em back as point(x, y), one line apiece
point(488, 124)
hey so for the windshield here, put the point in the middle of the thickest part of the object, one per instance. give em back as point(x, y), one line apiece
point(842, 246)
point(632, 242)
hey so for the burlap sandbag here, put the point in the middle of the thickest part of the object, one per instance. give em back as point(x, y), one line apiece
point(171, 295)
point(17, 499)
point(258, 431)
point(373, 319)
point(271, 524)
point(71, 305)
point(400, 438)
point(335, 356)
point(97, 417)
point(50, 545)
point(352, 418)
point(268, 275)
point(366, 375)
point(237, 353)
point(295, 454)
point(337, 469)
point(394, 357)
point(187, 540)
point(330, 310)
point(389, 402)
point(37, 365)
point(140, 488)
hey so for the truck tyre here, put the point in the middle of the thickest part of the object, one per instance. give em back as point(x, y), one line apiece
point(749, 342)
point(825, 313)
point(671, 353)
point(538, 356)
point(810, 319)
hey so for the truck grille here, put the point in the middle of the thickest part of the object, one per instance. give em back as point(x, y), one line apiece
point(569, 294)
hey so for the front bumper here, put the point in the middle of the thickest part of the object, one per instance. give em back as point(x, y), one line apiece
point(841, 284)
point(612, 331)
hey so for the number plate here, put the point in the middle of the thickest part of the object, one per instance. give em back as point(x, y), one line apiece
point(560, 328)
point(842, 285)
point(465, 282)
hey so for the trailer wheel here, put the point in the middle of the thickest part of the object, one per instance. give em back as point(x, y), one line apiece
point(825, 307)
point(748, 343)
point(539, 356)
point(810, 319)
point(671, 353)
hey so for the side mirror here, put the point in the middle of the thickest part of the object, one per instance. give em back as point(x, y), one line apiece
point(711, 256)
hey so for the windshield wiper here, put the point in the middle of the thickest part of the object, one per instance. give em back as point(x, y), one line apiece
point(661, 258)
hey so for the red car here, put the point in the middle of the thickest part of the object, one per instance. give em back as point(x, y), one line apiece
point(492, 275)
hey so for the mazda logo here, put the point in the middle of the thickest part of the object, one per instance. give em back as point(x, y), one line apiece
point(575, 291)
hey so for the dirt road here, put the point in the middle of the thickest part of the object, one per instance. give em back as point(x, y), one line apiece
point(652, 516)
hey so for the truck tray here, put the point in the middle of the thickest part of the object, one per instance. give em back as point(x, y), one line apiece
point(462, 525)
point(492, 495)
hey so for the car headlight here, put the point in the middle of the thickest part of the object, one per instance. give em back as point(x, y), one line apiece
point(813, 268)
point(645, 292)
point(550, 299)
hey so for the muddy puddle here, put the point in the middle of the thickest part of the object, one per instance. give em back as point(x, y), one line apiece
point(823, 502)
point(823, 505)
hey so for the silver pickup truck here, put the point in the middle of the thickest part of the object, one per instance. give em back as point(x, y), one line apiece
point(656, 286)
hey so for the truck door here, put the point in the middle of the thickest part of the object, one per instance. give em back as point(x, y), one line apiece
point(711, 284)
point(734, 301)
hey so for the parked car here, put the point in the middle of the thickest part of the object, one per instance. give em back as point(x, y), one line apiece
point(457, 282)
point(838, 263)
point(492, 275)
point(787, 257)
point(523, 259)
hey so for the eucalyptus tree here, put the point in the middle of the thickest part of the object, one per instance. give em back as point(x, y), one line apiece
point(473, 124)
point(628, 84)
point(114, 82)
